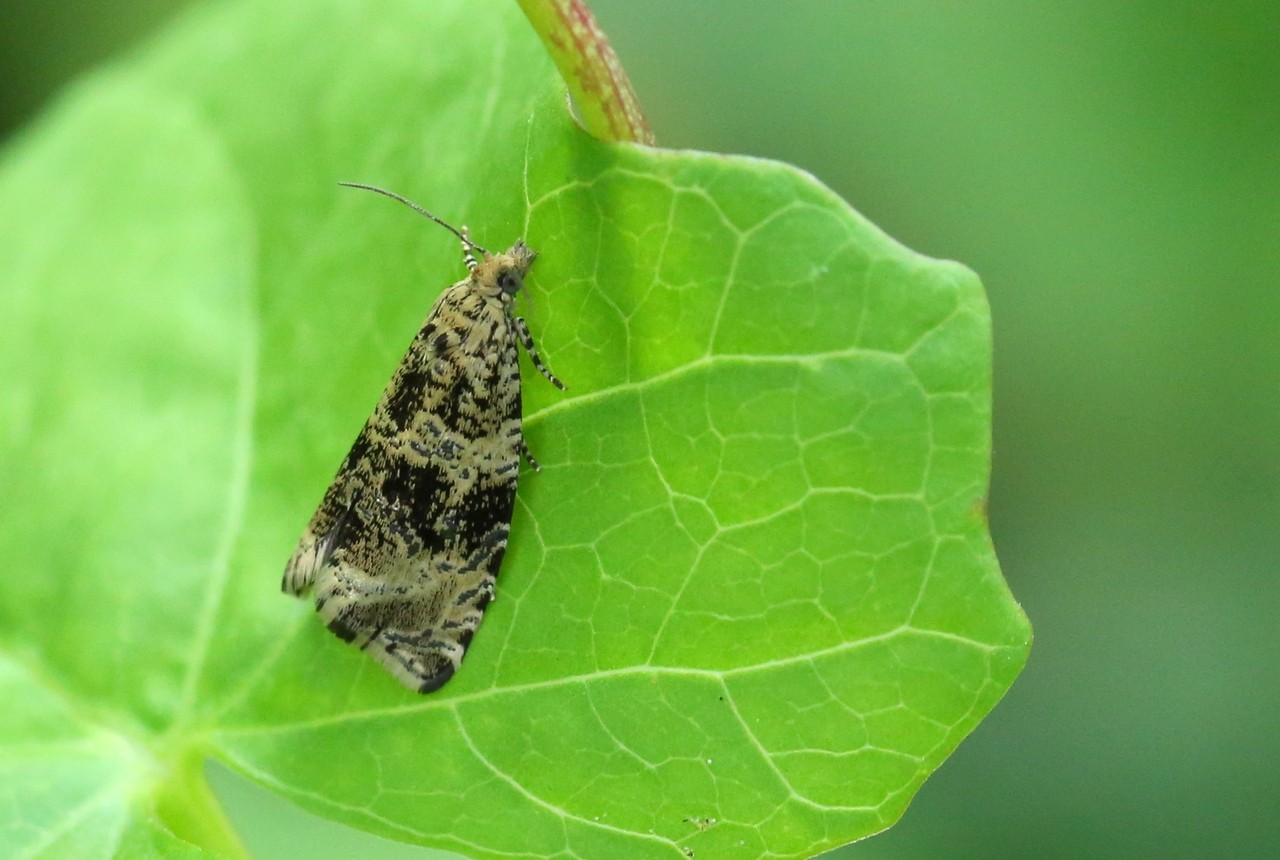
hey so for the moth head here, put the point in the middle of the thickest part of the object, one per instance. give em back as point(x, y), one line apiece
point(514, 266)
point(506, 271)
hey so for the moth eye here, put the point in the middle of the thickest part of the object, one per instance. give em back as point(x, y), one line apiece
point(509, 283)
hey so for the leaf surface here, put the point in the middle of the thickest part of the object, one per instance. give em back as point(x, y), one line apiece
point(750, 602)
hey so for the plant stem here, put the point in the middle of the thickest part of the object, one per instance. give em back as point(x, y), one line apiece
point(188, 806)
point(606, 103)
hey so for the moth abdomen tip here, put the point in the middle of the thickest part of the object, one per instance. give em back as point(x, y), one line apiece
point(438, 679)
point(339, 628)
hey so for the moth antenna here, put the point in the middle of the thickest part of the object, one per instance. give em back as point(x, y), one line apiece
point(461, 234)
point(468, 257)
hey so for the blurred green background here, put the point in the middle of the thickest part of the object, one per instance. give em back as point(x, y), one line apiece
point(1112, 171)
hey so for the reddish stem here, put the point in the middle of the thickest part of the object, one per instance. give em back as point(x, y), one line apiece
point(605, 100)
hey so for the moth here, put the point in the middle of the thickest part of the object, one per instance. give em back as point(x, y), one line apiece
point(404, 550)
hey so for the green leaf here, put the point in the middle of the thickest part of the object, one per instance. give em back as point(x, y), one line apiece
point(750, 602)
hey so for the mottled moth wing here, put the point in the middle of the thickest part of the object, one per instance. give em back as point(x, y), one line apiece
point(405, 547)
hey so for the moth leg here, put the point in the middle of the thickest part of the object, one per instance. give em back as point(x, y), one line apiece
point(467, 256)
point(522, 329)
point(524, 450)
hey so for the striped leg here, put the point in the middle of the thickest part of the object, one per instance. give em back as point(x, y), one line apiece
point(522, 329)
point(524, 449)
